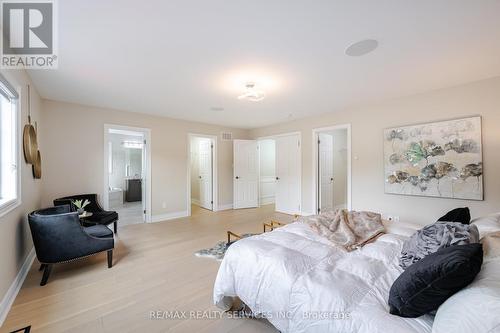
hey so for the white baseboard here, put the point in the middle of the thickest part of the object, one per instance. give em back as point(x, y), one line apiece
point(169, 216)
point(267, 200)
point(225, 207)
point(16, 285)
point(195, 202)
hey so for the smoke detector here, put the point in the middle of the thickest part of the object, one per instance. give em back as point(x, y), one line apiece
point(361, 48)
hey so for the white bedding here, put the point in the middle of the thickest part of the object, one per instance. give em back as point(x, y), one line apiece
point(301, 283)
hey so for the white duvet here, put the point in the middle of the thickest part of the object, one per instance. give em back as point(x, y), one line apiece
point(302, 283)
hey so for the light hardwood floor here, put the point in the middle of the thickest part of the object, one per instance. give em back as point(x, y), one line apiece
point(130, 213)
point(154, 270)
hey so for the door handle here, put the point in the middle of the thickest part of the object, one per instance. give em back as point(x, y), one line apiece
point(277, 178)
point(331, 179)
point(199, 177)
point(237, 177)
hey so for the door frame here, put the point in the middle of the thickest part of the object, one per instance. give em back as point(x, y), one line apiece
point(215, 186)
point(274, 136)
point(147, 170)
point(315, 133)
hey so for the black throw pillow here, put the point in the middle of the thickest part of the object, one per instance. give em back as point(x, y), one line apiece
point(461, 215)
point(426, 284)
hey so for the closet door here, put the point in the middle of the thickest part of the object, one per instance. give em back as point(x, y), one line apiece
point(325, 142)
point(288, 177)
point(246, 174)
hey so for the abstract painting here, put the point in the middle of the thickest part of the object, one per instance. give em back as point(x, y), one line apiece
point(441, 159)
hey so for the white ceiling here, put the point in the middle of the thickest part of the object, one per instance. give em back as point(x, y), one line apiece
point(179, 58)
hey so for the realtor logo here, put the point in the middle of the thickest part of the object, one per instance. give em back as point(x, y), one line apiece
point(29, 34)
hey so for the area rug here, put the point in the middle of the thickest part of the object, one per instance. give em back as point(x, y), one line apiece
point(218, 250)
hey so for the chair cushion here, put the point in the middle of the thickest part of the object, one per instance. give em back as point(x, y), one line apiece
point(99, 231)
point(103, 217)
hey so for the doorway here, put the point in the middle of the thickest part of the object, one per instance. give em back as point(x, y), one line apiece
point(248, 188)
point(332, 168)
point(127, 170)
point(202, 180)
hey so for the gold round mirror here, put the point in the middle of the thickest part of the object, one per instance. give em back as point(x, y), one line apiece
point(37, 166)
point(30, 143)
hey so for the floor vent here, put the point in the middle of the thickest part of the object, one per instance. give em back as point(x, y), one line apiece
point(226, 136)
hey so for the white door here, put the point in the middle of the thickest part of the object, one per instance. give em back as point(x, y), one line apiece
point(246, 174)
point(205, 170)
point(288, 176)
point(325, 171)
point(143, 177)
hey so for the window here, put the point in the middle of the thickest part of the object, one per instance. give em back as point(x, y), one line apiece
point(9, 147)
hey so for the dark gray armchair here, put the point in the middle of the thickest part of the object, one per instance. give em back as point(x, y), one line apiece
point(99, 215)
point(58, 237)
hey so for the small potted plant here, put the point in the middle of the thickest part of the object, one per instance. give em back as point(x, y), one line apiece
point(80, 205)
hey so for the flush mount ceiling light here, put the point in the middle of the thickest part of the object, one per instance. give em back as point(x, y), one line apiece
point(361, 48)
point(252, 93)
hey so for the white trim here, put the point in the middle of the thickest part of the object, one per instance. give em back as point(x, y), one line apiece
point(12, 204)
point(15, 286)
point(226, 207)
point(147, 136)
point(274, 136)
point(315, 133)
point(169, 216)
point(9, 206)
point(215, 183)
point(267, 200)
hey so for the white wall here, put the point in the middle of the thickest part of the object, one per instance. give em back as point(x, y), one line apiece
point(15, 237)
point(195, 171)
point(71, 125)
point(267, 157)
point(368, 122)
point(340, 168)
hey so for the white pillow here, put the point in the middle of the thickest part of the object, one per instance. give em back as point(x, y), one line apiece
point(487, 224)
point(491, 246)
point(475, 308)
point(401, 228)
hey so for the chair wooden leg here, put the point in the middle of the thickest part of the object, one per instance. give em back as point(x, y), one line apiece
point(46, 272)
point(42, 266)
point(115, 226)
point(110, 258)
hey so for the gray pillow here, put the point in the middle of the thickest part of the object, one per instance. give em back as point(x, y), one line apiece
point(436, 236)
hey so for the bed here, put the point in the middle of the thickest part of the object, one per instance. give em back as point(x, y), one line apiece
point(301, 283)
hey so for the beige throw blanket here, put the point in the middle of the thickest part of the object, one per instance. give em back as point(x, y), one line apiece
point(349, 229)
